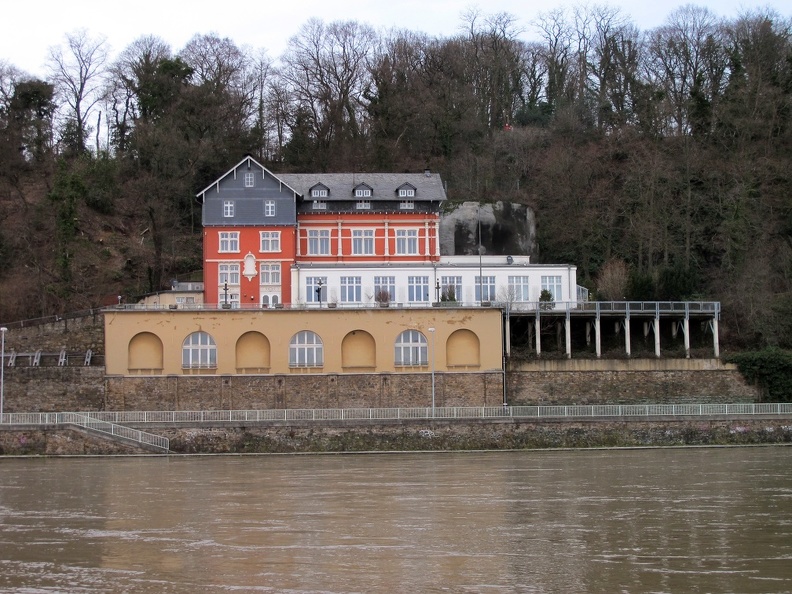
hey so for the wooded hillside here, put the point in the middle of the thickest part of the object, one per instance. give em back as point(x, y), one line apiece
point(656, 161)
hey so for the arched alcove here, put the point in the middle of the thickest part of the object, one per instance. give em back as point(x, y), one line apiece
point(145, 354)
point(463, 350)
point(358, 352)
point(253, 353)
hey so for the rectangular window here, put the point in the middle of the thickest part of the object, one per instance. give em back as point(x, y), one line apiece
point(485, 288)
point(363, 205)
point(407, 242)
point(406, 193)
point(270, 273)
point(451, 288)
point(418, 288)
point(269, 208)
point(362, 242)
point(318, 242)
point(407, 205)
point(228, 208)
point(228, 273)
point(249, 177)
point(362, 193)
point(518, 288)
point(229, 241)
point(319, 193)
point(319, 205)
point(553, 285)
point(270, 241)
point(384, 289)
point(316, 289)
point(350, 289)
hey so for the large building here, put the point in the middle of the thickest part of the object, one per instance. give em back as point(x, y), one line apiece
point(348, 240)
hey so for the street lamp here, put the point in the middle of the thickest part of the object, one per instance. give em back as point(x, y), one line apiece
point(319, 292)
point(432, 331)
point(437, 291)
point(3, 331)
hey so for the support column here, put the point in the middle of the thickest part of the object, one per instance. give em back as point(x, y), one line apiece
point(598, 336)
point(387, 239)
point(538, 334)
point(437, 239)
point(715, 342)
point(340, 247)
point(686, 330)
point(627, 334)
point(656, 324)
point(568, 335)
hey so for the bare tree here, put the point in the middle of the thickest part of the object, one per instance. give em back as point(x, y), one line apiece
point(78, 74)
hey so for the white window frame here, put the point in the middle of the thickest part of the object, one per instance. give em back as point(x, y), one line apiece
point(318, 242)
point(519, 289)
point(418, 289)
point(199, 351)
point(306, 350)
point(228, 272)
point(228, 208)
point(363, 205)
point(362, 193)
point(406, 242)
point(486, 285)
point(270, 273)
point(351, 289)
point(319, 205)
point(362, 242)
point(228, 242)
point(451, 281)
point(319, 193)
point(385, 284)
point(553, 284)
point(407, 205)
point(250, 179)
point(406, 193)
point(269, 241)
point(269, 208)
point(411, 349)
point(311, 284)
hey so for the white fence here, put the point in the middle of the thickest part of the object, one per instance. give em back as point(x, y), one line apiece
point(624, 411)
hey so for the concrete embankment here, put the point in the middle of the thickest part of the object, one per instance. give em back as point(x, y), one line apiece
point(415, 436)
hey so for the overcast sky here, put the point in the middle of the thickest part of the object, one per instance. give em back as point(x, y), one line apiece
point(30, 28)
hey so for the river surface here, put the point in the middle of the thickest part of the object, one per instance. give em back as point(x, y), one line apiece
point(658, 520)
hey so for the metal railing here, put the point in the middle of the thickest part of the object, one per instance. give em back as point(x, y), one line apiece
point(101, 427)
point(186, 417)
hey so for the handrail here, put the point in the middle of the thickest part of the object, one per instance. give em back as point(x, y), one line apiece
point(535, 412)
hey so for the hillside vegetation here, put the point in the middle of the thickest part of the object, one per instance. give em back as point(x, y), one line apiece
point(657, 161)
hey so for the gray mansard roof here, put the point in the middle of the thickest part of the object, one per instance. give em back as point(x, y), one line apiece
point(384, 186)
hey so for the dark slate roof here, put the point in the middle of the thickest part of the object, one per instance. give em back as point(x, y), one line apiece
point(384, 186)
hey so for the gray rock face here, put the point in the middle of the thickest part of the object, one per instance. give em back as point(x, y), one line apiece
point(506, 229)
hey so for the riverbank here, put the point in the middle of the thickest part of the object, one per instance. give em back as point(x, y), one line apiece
point(413, 436)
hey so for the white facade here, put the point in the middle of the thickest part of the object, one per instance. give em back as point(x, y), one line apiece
point(468, 280)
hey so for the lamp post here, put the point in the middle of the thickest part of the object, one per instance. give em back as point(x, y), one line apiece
point(319, 292)
point(437, 291)
point(3, 331)
point(432, 331)
point(225, 290)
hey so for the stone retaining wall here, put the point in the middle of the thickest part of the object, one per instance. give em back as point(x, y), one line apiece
point(419, 436)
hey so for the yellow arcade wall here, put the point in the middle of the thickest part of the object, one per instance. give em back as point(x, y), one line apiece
point(143, 342)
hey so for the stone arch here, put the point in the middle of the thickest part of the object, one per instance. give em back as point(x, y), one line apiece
point(358, 351)
point(145, 354)
point(253, 353)
point(463, 350)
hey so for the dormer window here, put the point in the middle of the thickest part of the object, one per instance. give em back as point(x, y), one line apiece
point(406, 193)
point(320, 204)
point(363, 193)
point(363, 205)
point(319, 193)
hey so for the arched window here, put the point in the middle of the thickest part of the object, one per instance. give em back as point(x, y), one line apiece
point(199, 351)
point(411, 349)
point(306, 350)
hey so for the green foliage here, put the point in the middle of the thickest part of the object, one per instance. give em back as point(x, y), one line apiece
point(546, 300)
point(770, 369)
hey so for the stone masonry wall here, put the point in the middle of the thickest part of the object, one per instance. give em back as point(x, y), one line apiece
point(629, 387)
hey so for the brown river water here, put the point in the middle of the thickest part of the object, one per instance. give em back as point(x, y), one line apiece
point(654, 520)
